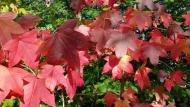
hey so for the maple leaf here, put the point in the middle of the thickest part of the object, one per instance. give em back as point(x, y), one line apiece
point(153, 51)
point(11, 81)
point(175, 31)
point(166, 19)
point(129, 95)
point(23, 48)
point(53, 76)
point(110, 99)
point(175, 78)
point(141, 19)
point(147, 3)
point(117, 66)
point(121, 42)
point(64, 45)
point(76, 5)
point(101, 2)
point(122, 103)
point(156, 37)
point(28, 21)
point(141, 76)
point(74, 80)
point(83, 29)
point(187, 19)
point(8, 27)
point(160, 97)
point(106, 20)
point(35, 92)
point(169, 84)
point(100, 37)
point(125, 64)
point(111, 64)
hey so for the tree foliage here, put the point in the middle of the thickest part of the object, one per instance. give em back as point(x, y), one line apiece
point(142, 45)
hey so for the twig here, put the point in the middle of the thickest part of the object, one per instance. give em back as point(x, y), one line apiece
point(122, 86)
point(166, 65)
point(63, 100)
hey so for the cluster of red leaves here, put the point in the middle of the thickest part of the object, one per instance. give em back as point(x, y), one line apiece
point(23, 44)
point(66, 51)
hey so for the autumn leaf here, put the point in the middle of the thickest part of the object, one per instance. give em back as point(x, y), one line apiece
point(121, 42)
point(141, 76)
point(76, 5)
point(74, 80)
point(23, 48)
point(129, 95)
point(28, 21)
point(125, 64)
point(153, 52)
point(140, 19)
point(53, 75)
point(100, 37)
point(122, 103)
point(63, 47)
point(147, 3)
point(8, 27)
point(11, 81)
point(187, 18)
point(169, 84)
point(175, 78)
point(35, 92)
point(110, 98)
point(106, 20)
point(166, 19)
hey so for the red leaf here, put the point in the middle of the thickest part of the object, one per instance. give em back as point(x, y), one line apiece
point(141, 19)
point(28, 21)
point(122, 103)
point(112, 65)
point(125, 65)
point(169, 84)
point(112, 61)
point(35, 92)
point(153, 52)
point(121, 42)
point(53, 76)
point(77, 5)
point(11, 81)
point(147, 3)
point(100, 37)
point(187, 18)
point(129, 95)
point(107, 19)
point(74, 80)
point(141, 76)
point(177, 77)
point(110, 98)
point(166, 19)
point(8, 27)
point(64, 45)
point(23, 48)
point(117, 66)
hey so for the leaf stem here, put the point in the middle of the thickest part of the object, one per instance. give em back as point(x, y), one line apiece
point(122, 86)
point(29, 69)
